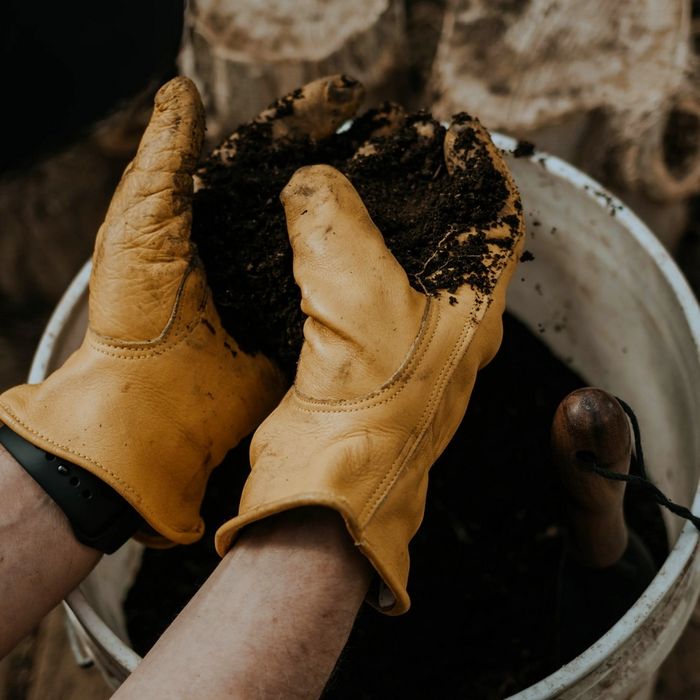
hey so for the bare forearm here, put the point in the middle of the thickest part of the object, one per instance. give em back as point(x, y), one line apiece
point(269, 623)
point(40, 559)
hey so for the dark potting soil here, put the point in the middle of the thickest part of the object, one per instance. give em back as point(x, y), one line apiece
point(484, 565)
point(239, 224)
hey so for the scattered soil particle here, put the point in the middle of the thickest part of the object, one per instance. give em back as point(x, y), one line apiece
point(524, 149)
point(527, 256)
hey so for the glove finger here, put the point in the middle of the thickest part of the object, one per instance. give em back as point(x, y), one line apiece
point(316, 110)
point(484, 231)
point(351, 284)
point(468, 146)
point(143, 250)
point(375, 124)
point(313, 111)
point(426, 128)
point(152, 201)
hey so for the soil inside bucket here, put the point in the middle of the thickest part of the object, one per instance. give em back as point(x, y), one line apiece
point(485, 563)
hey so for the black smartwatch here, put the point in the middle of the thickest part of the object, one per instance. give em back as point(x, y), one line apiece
point(99, 516)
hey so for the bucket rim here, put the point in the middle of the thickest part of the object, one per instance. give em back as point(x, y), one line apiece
point(81, 612)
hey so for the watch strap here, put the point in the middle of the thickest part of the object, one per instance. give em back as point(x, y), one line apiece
point(99, 516)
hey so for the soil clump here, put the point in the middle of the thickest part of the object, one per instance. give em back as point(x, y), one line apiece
point(240, 230)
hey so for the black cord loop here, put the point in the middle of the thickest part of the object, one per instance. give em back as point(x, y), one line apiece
point(643, 479)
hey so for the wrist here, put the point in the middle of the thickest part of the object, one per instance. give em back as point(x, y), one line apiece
point(314, 533)
point(40, 559)
point(99, 516)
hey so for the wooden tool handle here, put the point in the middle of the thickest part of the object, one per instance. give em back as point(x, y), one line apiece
point(590, 426)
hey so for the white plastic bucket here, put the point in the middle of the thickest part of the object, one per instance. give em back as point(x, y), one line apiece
point(606, 298)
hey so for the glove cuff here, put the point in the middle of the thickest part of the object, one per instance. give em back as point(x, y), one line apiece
point(388, 556)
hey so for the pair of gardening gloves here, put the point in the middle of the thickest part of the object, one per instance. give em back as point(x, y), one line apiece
point(158, 392)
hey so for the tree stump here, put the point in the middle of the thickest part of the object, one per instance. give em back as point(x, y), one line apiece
point(245, 54)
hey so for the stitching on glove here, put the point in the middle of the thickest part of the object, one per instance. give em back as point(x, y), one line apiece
point(415, 353)
point(140, 351)
point(458, 352)
point(36, 433)
point(172, 329)
point(144, 510)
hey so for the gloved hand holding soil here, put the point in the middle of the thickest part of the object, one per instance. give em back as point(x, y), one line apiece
point(392, 343)
point(442, 201)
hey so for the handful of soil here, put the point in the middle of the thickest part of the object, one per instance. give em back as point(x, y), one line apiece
point(397, 165)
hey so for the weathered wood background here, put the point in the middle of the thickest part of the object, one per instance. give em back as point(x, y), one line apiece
point(50, 212)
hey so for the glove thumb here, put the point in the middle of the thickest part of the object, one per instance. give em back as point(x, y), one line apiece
point(143, 251)
point(363, 315)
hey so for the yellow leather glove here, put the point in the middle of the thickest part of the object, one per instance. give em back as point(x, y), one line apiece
point(385, 372)
point(158, 392)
